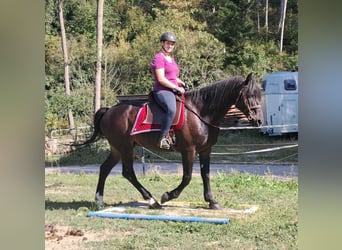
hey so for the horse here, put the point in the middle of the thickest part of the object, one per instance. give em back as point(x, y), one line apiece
point(205, 108)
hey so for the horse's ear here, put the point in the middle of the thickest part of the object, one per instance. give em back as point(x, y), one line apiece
point(249, 77)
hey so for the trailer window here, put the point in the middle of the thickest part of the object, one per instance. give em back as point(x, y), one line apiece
point(290, 84)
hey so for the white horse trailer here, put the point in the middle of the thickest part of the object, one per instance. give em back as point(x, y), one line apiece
point(280, 103)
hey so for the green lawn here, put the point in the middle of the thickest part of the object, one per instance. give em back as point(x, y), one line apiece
point(274, 225)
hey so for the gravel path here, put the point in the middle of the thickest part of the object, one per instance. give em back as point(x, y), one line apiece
point(276, 171)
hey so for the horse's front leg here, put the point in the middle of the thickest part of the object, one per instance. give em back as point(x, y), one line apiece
point(129, 173)
point(187, 160)
point(205, 168)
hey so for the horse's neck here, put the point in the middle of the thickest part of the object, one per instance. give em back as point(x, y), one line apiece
point(218, 116)
point(211, 116)
point(219, 113)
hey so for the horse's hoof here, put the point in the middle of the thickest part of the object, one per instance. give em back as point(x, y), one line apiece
point(99, 200)
point(153, 204)
point(214, 205)
point(165, 197)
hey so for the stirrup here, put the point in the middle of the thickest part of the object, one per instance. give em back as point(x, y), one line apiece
point(164, 143)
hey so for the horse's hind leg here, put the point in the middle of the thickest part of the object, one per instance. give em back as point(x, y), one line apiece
point(129, 173)
point(105, 169)
point(205, 166)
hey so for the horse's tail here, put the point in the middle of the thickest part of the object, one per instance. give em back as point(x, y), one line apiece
point(97, 134)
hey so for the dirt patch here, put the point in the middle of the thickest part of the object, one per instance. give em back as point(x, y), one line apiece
point(61, 237)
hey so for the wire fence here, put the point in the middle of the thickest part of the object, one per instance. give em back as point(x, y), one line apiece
point(58, 145)
point(259, 128)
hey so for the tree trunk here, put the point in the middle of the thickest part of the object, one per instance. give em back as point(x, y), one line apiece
point(266, 15)
point(282, 27)
point(281, 15)
point(97, 97)
point(66, 61)
point(258, 15)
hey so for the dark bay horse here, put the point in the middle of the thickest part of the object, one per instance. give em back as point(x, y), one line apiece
point(205, 108)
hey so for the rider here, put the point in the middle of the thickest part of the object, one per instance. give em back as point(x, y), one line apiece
point(166, 84)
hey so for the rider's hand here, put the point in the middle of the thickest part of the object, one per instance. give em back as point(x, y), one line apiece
point(185, 86)
point(179, 90)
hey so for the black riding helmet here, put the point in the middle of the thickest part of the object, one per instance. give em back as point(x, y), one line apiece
point(168, 36)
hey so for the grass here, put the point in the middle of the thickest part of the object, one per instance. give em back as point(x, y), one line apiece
point(68, 199)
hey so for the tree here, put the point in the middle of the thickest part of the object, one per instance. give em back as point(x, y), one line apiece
point(258, 15)
point(66, 62)
point(216, 38)
point(282, 22)
point(97, 96)
point(266, 15)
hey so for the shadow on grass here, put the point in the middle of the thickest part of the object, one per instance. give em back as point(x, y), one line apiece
point(54, 205)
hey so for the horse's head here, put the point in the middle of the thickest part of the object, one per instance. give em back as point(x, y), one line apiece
point(249, 101)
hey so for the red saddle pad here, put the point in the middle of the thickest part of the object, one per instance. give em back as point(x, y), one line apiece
point(148, 118)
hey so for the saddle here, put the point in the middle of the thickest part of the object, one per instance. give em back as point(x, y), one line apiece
point(148, 118)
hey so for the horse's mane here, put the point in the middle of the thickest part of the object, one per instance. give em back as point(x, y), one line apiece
point(215, 96)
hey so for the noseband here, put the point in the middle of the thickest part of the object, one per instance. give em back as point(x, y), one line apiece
point(250, 109)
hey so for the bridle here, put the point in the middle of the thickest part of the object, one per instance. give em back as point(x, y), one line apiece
point(249, 108)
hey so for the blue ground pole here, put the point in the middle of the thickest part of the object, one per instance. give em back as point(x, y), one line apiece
point(158, 217)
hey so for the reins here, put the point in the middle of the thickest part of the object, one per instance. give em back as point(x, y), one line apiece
point(199, 117)
point(181, 99)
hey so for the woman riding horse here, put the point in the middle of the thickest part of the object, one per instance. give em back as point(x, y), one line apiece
point(205, 108)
